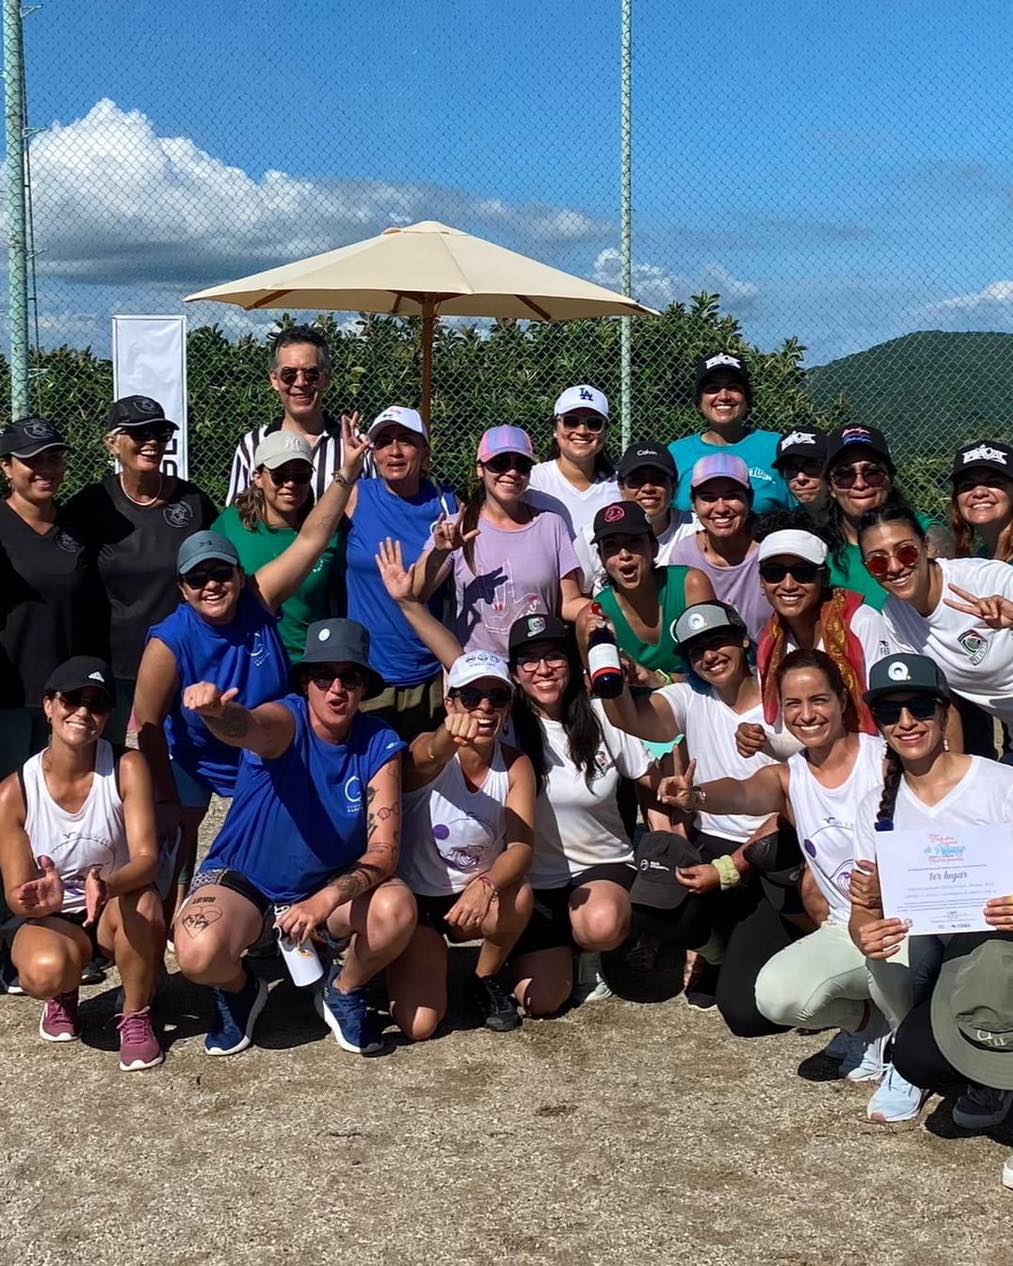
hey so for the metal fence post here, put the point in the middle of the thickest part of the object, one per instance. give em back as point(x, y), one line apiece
point(626, 218)
point(14, 115)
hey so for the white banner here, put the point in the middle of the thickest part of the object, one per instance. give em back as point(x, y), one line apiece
point(149, 359)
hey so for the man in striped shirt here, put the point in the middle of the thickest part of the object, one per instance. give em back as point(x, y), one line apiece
point(300, 374)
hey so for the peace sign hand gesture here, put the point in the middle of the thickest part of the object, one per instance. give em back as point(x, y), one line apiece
point(995, 612)
point(448, 537)
point(678, 789)
point(354, 446)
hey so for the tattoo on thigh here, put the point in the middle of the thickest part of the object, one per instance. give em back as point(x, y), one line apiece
point(197, 921)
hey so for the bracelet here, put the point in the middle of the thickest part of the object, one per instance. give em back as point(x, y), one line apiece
point(484, 879)
point(666, 680)
point(344, 481)
point(728, 872)
point(699, 797)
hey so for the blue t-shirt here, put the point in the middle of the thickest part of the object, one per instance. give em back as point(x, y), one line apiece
point(246, 653)
point(395, 652)
point(300, 819)
point(757, 449)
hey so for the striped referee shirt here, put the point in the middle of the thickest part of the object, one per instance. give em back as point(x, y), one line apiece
point(326, 458)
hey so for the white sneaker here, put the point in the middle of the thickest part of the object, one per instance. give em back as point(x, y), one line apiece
point(868, 1062)
point(590, 984)
point(895, 1099)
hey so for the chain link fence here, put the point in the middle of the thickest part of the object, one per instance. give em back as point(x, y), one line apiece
point(807, 191)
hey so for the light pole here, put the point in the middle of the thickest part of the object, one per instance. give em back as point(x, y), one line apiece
point(17, 228)
point(626, 212)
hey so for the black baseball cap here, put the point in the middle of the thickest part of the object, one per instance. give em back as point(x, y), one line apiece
point(658, 855)
point(859, 437)
point(803, 445)
point(536, 628)
point(30, 436)
point(985, 454)
point(621, 518)
point(647, 453)
point(914, 674)
point(131, 411)
point(78, 673)
point(723, 363)
point(339, 642)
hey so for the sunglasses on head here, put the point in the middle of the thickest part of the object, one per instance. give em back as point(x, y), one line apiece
point(803, 573)
point(504, 462)
point(289, 375)
point(300, 475)
point(887, 711)
point(653, 475)
point(593, 424)
point(847, 476)
point(351, 678)
point(199, 577)
point(160, 432)
point(470, 696)
point(878, 564)
point(94, 700)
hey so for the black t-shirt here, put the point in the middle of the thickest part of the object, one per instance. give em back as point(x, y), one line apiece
point(51, 606)
point(136, 547)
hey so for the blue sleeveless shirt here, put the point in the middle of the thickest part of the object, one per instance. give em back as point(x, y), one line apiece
point(246, 653)
point(300, 819)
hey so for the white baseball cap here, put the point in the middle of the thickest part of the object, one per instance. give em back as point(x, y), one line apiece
point(398, 415)
point(581, 397)
point(793, 543)
point(478, 664)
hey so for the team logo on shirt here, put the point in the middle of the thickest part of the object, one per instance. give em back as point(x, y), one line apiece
point(66, 542)
point(178, 514)
point(353, 794)
point(974, 644)
point(840, 876)
point(601, 765)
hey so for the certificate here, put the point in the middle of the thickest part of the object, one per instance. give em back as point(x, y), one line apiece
point(940, 880)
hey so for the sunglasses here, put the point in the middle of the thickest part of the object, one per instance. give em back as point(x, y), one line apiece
point(887, 711)
point(969, 482)
point(505, 462)
point(299, 475)
point(350, 678)
point(95, 702)
point(811, 469)
point(528, 662)
point(878, 564)
point(652, 475)
point(289, 376)
point(470, 696)
point(160, 433)
point(200, 576)
point(802, 572)
point(847, 476)
point(594, 425)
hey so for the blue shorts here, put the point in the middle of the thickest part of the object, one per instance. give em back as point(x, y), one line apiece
point(193, 791)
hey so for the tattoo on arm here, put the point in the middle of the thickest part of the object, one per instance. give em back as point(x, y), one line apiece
point(234, 723)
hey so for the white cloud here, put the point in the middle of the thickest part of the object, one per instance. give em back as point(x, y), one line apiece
point(998, 297)
point(657, 286)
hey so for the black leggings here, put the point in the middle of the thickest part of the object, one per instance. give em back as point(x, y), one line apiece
point(917, 1056)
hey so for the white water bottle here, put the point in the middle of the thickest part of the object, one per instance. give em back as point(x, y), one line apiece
point(302, 961)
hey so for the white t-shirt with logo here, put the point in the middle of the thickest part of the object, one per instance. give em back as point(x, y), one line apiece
point(709, 726)
point(576, 826)
point(977, 661)
point(550, 489)
point(594, 575)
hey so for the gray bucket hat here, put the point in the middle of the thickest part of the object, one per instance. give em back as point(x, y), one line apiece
point(338, 642)
point(972, 1009)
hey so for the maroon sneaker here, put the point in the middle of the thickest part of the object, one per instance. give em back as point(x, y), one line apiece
point(139, 1046)
point(59, 1018)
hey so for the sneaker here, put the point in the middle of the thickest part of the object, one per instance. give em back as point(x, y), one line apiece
point(895, 1099)
point(237, 1014)
point(349, 1018)
point(980, 1107)
point(590, 984)
point(1007, 1172)
point(867, 1059)
point(841, 1046)
point(492, 1002)
point(139, 1046)
point(59, 1019)
point(702, 985)
point(95, 972)
point(14, 987)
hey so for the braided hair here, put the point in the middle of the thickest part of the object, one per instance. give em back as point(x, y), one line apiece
point(891, 785)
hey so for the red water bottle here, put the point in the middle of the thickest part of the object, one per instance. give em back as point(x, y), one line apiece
point(603, 665)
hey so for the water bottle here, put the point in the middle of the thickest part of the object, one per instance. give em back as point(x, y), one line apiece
point(603, 665)
point(302, 961)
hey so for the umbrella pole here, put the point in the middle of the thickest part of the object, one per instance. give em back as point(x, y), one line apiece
point(428, 331)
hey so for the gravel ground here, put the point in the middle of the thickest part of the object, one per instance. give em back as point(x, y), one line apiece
point(624, 1131)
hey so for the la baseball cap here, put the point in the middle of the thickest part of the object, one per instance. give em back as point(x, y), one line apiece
point(78, 673)
point(915, 674)
point(30, 436)
point(536, 628)
point(281, 447)
point(720, 466)
point(474, 666)
point(505, 439)
point(204, 547)
point(582, 397)
point(802, 445)
point(399, 415)
point(621, 518)
point(846, 437)
point(644, 454)
point(983, 455)
point(727, 363)
point(130, 411)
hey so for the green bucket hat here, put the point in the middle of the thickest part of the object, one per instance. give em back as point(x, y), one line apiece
point(972, 1010)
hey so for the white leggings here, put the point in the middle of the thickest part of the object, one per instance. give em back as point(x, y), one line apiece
point(820, 981)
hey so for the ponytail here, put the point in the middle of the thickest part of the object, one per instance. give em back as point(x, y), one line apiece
point(469, 521)
point(891, 785)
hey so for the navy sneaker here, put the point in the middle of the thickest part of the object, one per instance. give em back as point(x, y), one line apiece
point(348, 1016)
point(487, 997)
point(237, 1014)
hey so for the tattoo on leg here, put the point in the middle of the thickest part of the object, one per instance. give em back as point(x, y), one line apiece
point(199, 921)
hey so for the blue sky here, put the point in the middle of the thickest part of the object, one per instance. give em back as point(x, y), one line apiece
point(841, 172)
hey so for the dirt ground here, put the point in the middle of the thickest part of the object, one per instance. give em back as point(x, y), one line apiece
point(624, 1131)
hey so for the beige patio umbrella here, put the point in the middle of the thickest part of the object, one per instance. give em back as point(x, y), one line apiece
point(426, 270)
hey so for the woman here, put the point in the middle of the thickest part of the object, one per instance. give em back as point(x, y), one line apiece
point(225, 629)
point(724, 550)
point(926, 788)
point(50, 596)
point(734, 932)
point(579, 476)
point(724, 398)
point(405, 503)
point(326, 780)
point(265, 520)
point(982, 501)
point(469, 808)
point(135, 521)
point(506, 558)
point(79, 855)
point(801, 462)
point(821, 980)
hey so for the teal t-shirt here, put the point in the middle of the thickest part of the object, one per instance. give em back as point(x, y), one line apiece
point(312, 600)
point(852, 575)
point(672, 601)
point(757, 449)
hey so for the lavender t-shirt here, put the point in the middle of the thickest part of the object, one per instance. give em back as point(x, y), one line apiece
point(515, 573)
point(738, 586)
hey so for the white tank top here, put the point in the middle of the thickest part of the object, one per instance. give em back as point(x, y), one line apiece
point(825, 820)
point(94, 836)
point(450, 833)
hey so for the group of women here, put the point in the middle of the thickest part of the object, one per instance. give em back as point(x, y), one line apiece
point(396, 685)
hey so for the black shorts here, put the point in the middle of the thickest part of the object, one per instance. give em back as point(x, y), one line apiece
point(433, 913)
point(235, 881)
point(10, 928)
point(549, 926)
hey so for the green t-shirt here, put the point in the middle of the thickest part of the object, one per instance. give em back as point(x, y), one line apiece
point(672, 598)
point(854, 576)
point(312, 600)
